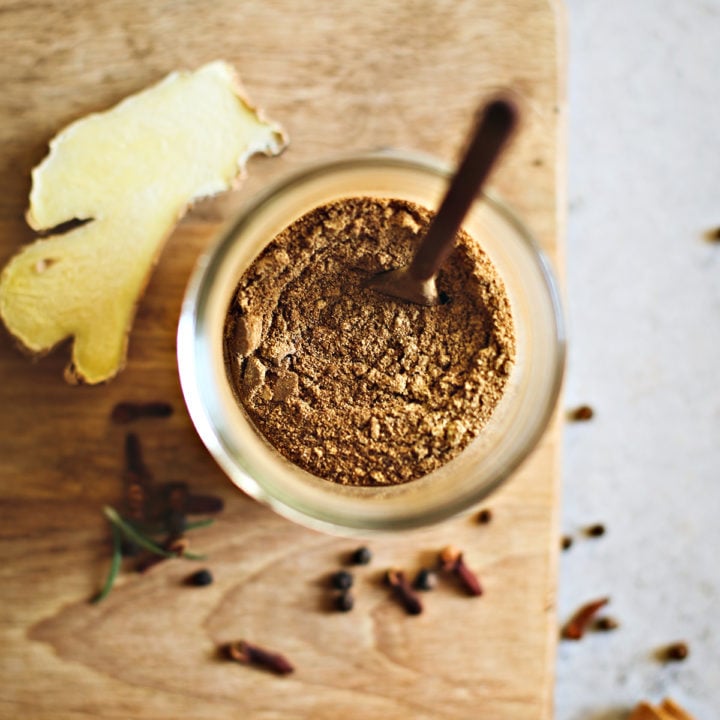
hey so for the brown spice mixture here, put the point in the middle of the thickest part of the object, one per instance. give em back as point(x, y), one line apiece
point(353, 386)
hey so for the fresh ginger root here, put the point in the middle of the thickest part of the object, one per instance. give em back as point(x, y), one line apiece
point(131, 172)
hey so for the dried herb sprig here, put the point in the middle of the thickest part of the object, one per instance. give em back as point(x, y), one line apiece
point(114, 565)
point(130, 531)
point(142, 540)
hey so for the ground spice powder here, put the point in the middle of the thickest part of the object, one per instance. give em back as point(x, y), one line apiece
point(353, 386)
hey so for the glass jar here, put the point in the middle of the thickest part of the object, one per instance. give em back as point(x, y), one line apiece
point(516, 425)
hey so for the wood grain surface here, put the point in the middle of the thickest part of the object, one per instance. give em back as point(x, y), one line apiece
point(340, 76)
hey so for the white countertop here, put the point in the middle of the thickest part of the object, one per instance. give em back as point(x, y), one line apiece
point(643, 309)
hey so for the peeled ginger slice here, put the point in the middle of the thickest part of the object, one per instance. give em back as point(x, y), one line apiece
point(131, 172)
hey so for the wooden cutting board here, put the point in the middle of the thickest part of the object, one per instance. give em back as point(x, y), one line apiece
point(340, 76)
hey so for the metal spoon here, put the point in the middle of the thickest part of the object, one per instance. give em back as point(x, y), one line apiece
point(416, 282)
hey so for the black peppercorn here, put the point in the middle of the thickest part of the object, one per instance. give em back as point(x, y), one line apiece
point(341, 580)
point(596, 530)
point(361, 556)
point(201, 578)
point(425, 580)
point(484, 516)
point(344, 602)
point(566, 542)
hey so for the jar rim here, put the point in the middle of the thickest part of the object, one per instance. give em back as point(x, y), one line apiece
point(190, 337)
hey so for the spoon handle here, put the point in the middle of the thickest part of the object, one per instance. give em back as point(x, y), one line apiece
point(494, 128)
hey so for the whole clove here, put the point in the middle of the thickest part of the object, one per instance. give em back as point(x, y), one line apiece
point(451, 561)
point(247, 654)
point(174, 495)
point(134, 462)
point(125, 412)
point(402, 590)
point(138, 479)
point(203, 504)
point(580, 621)
point(677, 651)
point(566, 542)
point(596, 530)
point(485, 516)
point(582, 413)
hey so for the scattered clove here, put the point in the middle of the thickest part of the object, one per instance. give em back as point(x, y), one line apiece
point(596, 530)
point(579, 622)
point(677, 651)
point(125, 412)
point(582, 413)
point(566, 542)
point(174, 495)
point(403, 591)
point(247, 654)
point(137, 479)
point(203, 504)
point(484, 516)
point(451, 560)
point(151, 512)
